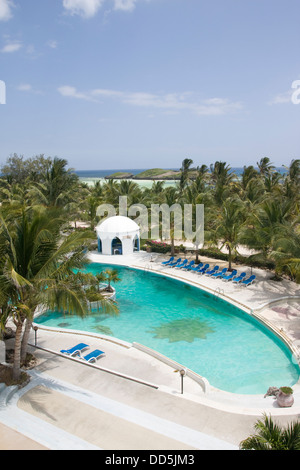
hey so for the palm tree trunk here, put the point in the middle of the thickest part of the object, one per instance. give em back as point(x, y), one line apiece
point(229, 257)
point(17, 354)
point(25, 338)
point(172, 246)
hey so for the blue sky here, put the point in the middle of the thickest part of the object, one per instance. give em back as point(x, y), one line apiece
point(112, 84)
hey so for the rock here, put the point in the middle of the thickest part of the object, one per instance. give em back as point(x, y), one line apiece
point(272, 391)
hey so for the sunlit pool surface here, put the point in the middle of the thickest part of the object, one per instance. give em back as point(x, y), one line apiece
point(202, 332)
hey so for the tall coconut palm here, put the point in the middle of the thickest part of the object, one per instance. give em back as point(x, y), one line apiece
point(37, 269)
point(131, 190)
point(286, 252)
point(58, 185)
point(265, 166)
point(249, 173)
point(200, 183)
point(91, 204)
point(254, 192)
point(222, 178)
point(292, 181)
point(111, 191)
point(265, 225)
point(184, 175)
point(171, 198)
point(271, 436)
point(228, 225)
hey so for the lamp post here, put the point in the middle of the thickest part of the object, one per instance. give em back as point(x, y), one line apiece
point(35, 335)
point(182, 374)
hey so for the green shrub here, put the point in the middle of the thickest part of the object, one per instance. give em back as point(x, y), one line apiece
point(287, 390)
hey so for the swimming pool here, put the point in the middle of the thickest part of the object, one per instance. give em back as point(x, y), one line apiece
point(215, 339)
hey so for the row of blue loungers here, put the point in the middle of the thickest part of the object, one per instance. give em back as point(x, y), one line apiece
point(214, 272)
point(79, 348)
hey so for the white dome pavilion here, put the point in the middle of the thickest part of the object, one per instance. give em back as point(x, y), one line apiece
point(118, 235)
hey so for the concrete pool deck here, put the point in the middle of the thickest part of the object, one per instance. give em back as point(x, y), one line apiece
point(131, 400)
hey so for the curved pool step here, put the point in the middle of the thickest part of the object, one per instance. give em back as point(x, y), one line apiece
point(6, 393)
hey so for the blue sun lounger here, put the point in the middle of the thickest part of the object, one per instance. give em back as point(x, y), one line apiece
point(181, 265)
point(75, 350)
point(248, 281)
point(92, 356)
point(230, 276)
point(205, 268)
point(197, 268)
point(169, 261)
point(174, 263)
point(220, 273)
point(212, 271)
point(189, 266)
point(239, 278)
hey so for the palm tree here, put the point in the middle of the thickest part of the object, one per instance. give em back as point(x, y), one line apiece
point(200, 183)
point(229, 224)
point(186, 164)
point(265, 225)
point(253, 193)
point(286, 253)
point(36, 269)
point(222, 178)
point(111, 275)
point(131, 190)
point(294, 171)
point(58, 186)
point(272, 183)
point(292, 180)
point(111, 190)
point(265, 166)
point(271, 436)
point(249, 173)
point(171, 197)
point(92, 203)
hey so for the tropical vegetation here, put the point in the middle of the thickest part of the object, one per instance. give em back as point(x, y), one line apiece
point(258, 209)
point(272, 436)
point(43, 246)
point(40, 258)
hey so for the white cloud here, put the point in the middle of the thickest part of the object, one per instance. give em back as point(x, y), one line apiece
point(282, 98)
point(85, 8)
point(168, 102)
point(13, 46)
point(71, 92)
point(89, 8)
point(125, 5)
point(24, 87)
point(6, 7)
point(52, 44)
point(27, 88)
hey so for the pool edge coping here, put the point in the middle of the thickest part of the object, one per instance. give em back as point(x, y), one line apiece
point(201, 380)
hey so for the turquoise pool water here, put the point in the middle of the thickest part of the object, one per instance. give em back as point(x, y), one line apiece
point(204, 333)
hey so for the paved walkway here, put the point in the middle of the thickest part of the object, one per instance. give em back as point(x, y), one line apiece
point(69, 405)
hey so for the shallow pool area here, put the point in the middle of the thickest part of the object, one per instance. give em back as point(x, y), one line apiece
point(215, 339)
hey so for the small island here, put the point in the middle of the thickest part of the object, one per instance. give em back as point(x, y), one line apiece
point(158, 174)
point(119, 175)
point(152, 174)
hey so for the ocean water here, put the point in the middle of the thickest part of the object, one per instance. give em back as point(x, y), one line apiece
point(91, 176)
